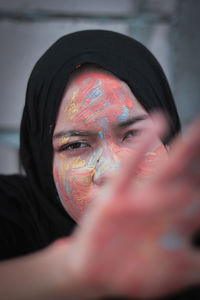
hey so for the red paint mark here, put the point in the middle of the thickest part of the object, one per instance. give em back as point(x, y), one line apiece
point(78, 66)
point(129, 102)
point(109, 86)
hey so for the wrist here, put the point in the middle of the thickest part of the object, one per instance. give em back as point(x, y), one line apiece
point(68, 282)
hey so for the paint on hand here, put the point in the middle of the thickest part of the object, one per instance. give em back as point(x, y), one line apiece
point(192, 210)
point(152, 161)
point(172, 241)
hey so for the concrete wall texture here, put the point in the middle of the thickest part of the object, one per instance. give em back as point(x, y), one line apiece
point(170, 29)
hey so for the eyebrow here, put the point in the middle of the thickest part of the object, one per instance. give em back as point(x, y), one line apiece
point(132, 121)
point(72, 133)
point(123, 124)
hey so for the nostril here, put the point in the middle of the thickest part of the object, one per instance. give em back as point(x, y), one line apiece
point(100, 180)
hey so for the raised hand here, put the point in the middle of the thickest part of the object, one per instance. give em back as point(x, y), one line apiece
point(135, 240)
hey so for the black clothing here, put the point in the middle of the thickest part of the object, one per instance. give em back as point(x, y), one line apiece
point(24, 225)
point(31, 214)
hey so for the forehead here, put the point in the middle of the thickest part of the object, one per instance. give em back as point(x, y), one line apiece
point(93, 79)
point(91, 90)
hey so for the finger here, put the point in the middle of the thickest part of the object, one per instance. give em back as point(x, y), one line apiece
point(190, 219)
point(131, 164)
point(184, 156)
point(181, 199)
point(194, 270)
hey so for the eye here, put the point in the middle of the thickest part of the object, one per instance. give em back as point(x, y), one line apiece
point(131, 133)
point(74, 146)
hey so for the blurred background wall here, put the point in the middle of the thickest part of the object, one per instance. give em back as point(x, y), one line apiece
point(169, 28)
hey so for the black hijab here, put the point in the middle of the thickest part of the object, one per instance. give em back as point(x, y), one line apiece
point(119, 54)
point(126, 58)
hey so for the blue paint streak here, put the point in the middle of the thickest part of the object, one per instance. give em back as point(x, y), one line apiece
point(104, 122)
point(93, 158)
point(67, 189)
point(113, 167)
point(95, 93)
point(124, 116)
point(58, 190)
point(192, 210)
point(116, 165)
point(172, 241)
point(101, 135)
point(104, 106)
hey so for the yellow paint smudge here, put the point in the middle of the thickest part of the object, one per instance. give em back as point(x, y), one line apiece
point(73, 106)
point(150, 153)
point(86, 180)
point(77, 163)
point(64, 140)
point(66, 166)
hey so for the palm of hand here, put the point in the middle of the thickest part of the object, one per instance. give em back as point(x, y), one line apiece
point(136, 242)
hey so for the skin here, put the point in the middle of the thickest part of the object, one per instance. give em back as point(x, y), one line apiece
point(132, 241)
point(98, 105)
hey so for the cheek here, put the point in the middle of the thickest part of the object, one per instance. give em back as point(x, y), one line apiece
point(73, 181)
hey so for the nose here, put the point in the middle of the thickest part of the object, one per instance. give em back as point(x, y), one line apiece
point(99, 181)
point(104, 167)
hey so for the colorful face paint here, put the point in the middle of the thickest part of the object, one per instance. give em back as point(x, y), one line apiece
point(98, 123)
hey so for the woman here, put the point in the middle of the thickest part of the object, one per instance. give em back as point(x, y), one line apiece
point(75, 132)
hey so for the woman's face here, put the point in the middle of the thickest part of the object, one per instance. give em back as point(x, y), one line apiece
point(99, 122)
